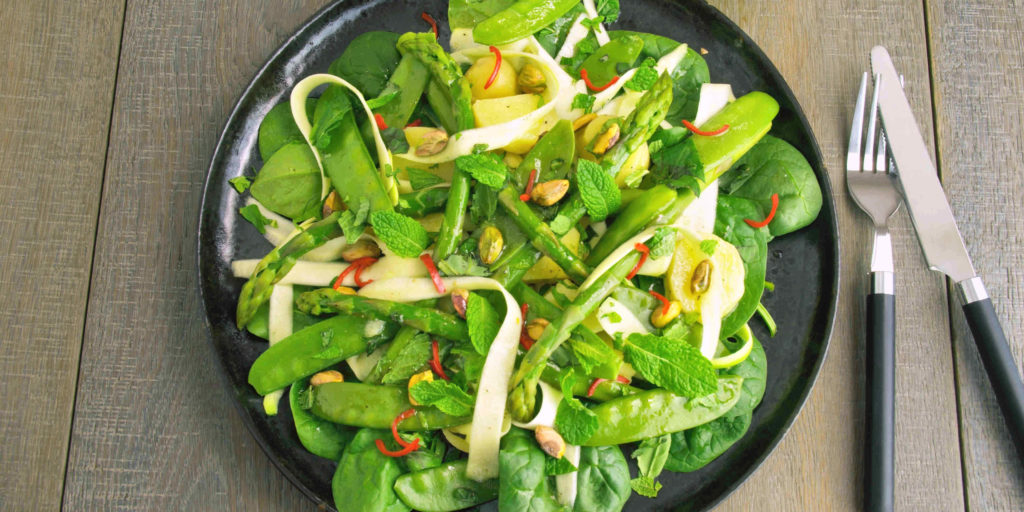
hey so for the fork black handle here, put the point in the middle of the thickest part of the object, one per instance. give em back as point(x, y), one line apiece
point(998, 360)
point(881, 382)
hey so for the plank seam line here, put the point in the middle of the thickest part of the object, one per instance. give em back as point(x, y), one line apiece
point(950, 296)
point(92, 260)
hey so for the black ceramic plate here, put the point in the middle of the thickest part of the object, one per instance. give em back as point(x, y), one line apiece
point(804, 265)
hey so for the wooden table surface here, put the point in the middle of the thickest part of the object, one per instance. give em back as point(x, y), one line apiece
point(109, 112)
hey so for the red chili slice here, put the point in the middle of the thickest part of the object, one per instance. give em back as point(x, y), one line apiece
point(593, 386)
point(524, 338)
point(416, 122)
point(644, 251)
point(712, 133)
point(394, 427)
point(435, 361)
point(771, 214)
point(380, 122)
point(413, 446)
point(622, 379)
point(364, 263)
point(525, 196)
point(434, 275)
point(497, 66)
point(430, 19)
point(595, 88)
point(341, 277)
point(664, 301)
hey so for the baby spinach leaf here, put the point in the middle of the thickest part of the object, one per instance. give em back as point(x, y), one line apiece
point(694, 448)
point(666, 363)
point(483, 322)
point(752, 244)
point(289, 183)
point(603, 480)
point(278, 128)
point(321, 437)
point(365, 477)
point(445, 487)
point(252, 214)
point(675, 161)
point(754, 370)
point(552, 37)
point(774, 166)
point(368, 61)
point(523, 484)
point(562, 466)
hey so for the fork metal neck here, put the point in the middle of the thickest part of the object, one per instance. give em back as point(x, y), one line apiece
point(881, 262)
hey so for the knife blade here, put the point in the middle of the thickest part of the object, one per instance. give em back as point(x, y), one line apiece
point(941, 243)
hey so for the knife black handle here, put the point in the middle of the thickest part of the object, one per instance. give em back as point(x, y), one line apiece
point(881, 411)
point(998, 360)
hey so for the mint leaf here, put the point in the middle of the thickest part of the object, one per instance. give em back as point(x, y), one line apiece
point(420, 179)
point(645, 486)
point(331, 109)
point(353, 220)
point(573, 420)
point(252, 214)
point(662, 243)
point(402, 235)
point(583, 101)
point(444, 395)
point(644, 77)
point(240, 183)
point(460, 265)
point(484, 203)
point(666, 363)
point(561, 466)
point(708, 246)
point(394, 139)
point(592, 23)
point(483, 322)
point(486, 168)
point(409, 361)
point(676, 163)
point(597, 189)
point(650, 457)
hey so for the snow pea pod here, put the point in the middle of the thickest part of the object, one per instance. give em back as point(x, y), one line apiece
point(367, 405)
point(444, 488)
point(612, 59)
point(551, 156)
point(658, 412)
point(307, 351)
point(520, 20)
point(654, 202)
point(319, 436)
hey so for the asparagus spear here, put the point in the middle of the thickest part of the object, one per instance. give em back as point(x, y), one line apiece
point(637, 128)
point(276, 264)
point(524, 383)
point(446, 73)
point(541, 235)
point(327, 300)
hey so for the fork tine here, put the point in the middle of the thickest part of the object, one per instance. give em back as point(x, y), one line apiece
point(869, 144)
point(853, 154)
point(882, 163)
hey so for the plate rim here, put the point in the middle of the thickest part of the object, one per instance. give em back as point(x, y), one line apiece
point(828, 203)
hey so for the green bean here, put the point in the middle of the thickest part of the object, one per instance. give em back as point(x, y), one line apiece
point(658, 412)
point(276, 264)
point(541, 235)
point(444, 488)
point(307, 351)
point(429, 320)
point(368, 405)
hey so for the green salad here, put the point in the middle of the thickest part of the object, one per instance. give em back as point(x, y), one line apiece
point(498, 261)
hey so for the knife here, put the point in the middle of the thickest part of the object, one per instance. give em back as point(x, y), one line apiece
point(942, 245)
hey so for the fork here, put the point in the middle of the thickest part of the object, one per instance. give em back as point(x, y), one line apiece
point(871, 181)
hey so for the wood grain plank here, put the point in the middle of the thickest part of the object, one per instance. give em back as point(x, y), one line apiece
point(154, 428)
point(822, 48)
point(978, 71)
point(60, 60)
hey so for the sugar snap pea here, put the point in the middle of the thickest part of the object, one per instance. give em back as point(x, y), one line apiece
point(520, 20)
point(368, 405)
point(319, 436)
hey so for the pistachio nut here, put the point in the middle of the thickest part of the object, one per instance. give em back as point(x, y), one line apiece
point(662, 315)
point(531, 80)
point(491, 244)
point(549, 192)
point(606, 139)
point(362, 248)
point(326, 377)
point(433, 143)
point(701, 279)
